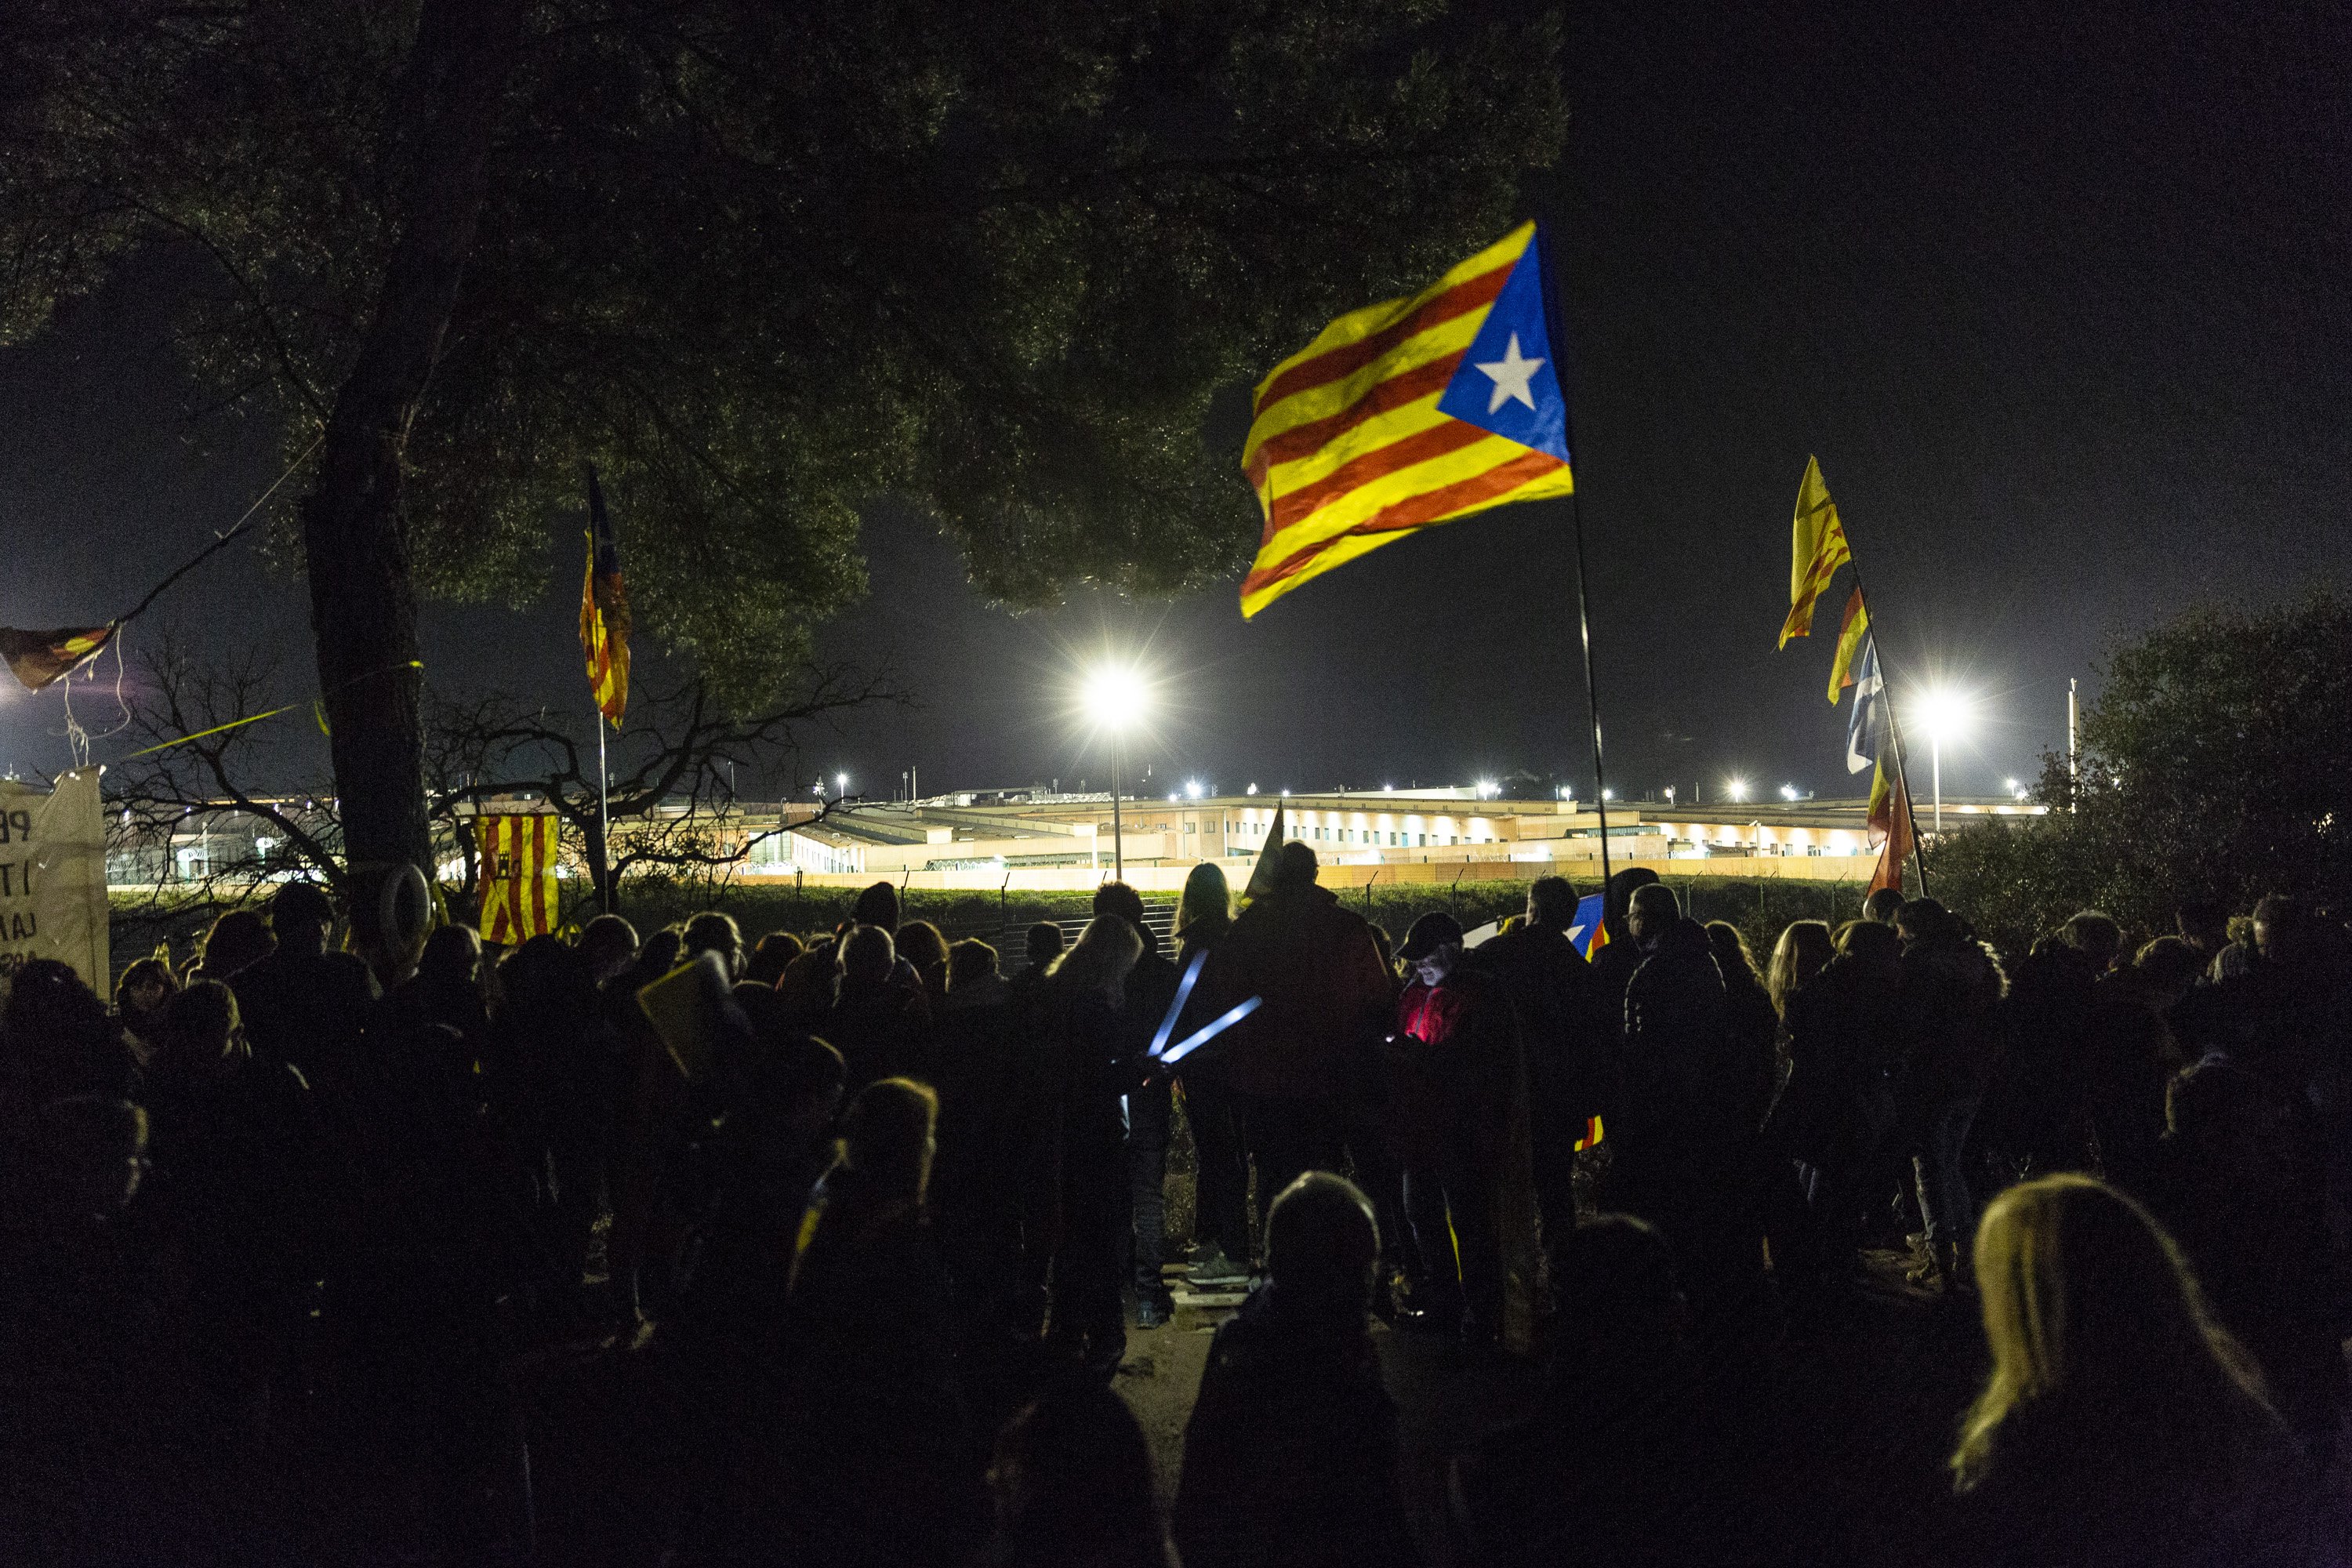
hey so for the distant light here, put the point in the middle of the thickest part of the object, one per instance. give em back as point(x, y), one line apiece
point(1787, 792)
point(1736, 788)
point(1388, 789)
point(1670, 795)
point(1286, 794)
point(841, 782)
point(1192, 788)
point(1174, 795)
point(1487, 787)
point(1608, 794)
point(1943, 714)
point(1253, 789)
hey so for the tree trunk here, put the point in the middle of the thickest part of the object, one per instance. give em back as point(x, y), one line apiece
point(355, 541)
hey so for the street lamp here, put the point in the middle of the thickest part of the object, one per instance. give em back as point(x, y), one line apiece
point(1736, 789)
point(1944, 714)
point(1787, 792)
point(1116, 698)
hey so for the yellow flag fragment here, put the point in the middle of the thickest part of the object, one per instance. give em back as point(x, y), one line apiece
point(1818, 550)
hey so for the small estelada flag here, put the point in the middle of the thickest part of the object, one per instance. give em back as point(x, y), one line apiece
point(1408, 414)
point(604, 612)
point(42, 658)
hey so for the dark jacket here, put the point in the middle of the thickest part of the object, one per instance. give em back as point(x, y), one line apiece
point(881, 1031)
point(1844, 1045)
point(1949, 998)
point(308, 1009)
point(1290, 1457)
point(1566, 1026)
point(1325, 995)
point(1452, 1068)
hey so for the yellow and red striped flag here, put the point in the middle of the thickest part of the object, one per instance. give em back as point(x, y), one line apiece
point(519, 890)
point(1408, 414)
point(1852, 629)
point(1817, 549)
point(604, 612)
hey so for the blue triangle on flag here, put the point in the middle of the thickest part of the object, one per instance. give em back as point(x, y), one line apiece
point(1509, 380)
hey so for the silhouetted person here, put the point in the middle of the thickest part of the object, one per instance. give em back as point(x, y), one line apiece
point(876, 906)
point(1564, 1032)
point(2120, 1425)
point(1150, 990)
point(712, 932)
point(1684, 1086)
point(1072, 1483)
point(56, 1040)
point(2240, 1183)
point(1290, 1457)
point(886, 1472)
point(234, 943)
point(922, 948)
point(1754, 1021)
point(775, 950)
point(1221, 1226)
point(1326, 1001)
point(989, 1073)
point(303, 1004)
point(878, 1025)
point(608, 944)
point(446, 990)
point(1879, 905)
point(1620, 1463)
point(1950, 998)
point(1454, 1077)
point(2204, 924)
point(145, 989)
point(1082, 1180)
point(1614, 965)
point(1844, 1044)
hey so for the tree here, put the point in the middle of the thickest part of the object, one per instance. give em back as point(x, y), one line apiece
point(2214, 764)
point(762, 264)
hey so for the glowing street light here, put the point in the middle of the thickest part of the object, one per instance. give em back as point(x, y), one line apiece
point(1192, 788)
point(1787, 792)
point(841, 783)
point(1736, 788)
point(1944, 714)
point(1608, 794)
point(1117, 697)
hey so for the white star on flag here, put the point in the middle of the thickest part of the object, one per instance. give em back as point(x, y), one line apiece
point(1510, 375)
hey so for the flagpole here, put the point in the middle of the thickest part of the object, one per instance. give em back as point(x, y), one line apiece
point(1558, 322)
point(603, 817)
point(1894, 722)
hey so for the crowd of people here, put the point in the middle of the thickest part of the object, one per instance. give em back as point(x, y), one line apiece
point(494, 1259)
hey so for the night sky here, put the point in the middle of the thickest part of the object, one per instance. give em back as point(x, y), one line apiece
point(2063, 303)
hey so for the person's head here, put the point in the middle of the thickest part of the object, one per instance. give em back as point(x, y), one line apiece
point(1042, 945)
point(775, 950)
point(1433, 946)
point(1617, 903)
point(920, 944)
point(2098, 938)
point(1870, 943)
point(1652, 910)
point(877, 906)
point(238, 940)
point(1071, 1481)
point(2094, 1318)
point(711, 932)
point(201, 1029)
point(89, 1155)
point(2168, 968)
point(1551, 903)
point(1206, 906)
point(1925, 920)
point(144, 989)
point(809, 1078)
point(1880, 904)
point(300, 915)
point(887, 1137)
point(1099, 963)
point(970, 961)
point(2278, 925)
point(452, 956)
point(807, 986)
point(1296, 867)
point(1121, 899)
point(608, 944)
point(867, 957)
point(1620, 1299)
point(1321, 1243)
point(1731, 954)
point(2225, 1116)
point(2204, 924)
point(1803, 951)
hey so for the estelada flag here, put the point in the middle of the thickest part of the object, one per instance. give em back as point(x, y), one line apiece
point(1817, 549)
point(605, 612)
point(40, 659)
point(1408, 414)
point(518, 890)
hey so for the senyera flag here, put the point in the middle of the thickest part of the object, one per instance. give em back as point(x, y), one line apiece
point(1409, 414)
point(605, 612)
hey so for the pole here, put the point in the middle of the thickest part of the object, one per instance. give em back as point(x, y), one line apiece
point(1558, 322)
point(1936, 762)
point(603, 817)
point(1118, 834)
point(1895, 724)
point(2074, 774)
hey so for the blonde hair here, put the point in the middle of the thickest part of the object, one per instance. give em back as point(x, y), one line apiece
point(1804, 949)
point(1099, 961)
point(2095, 1321)
point(1207, 902)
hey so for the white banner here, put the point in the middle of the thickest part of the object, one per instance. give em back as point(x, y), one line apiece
point(53, 877)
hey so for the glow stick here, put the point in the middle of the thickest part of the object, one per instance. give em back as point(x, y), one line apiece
point(1212, 1029)
point(1176, 1008)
